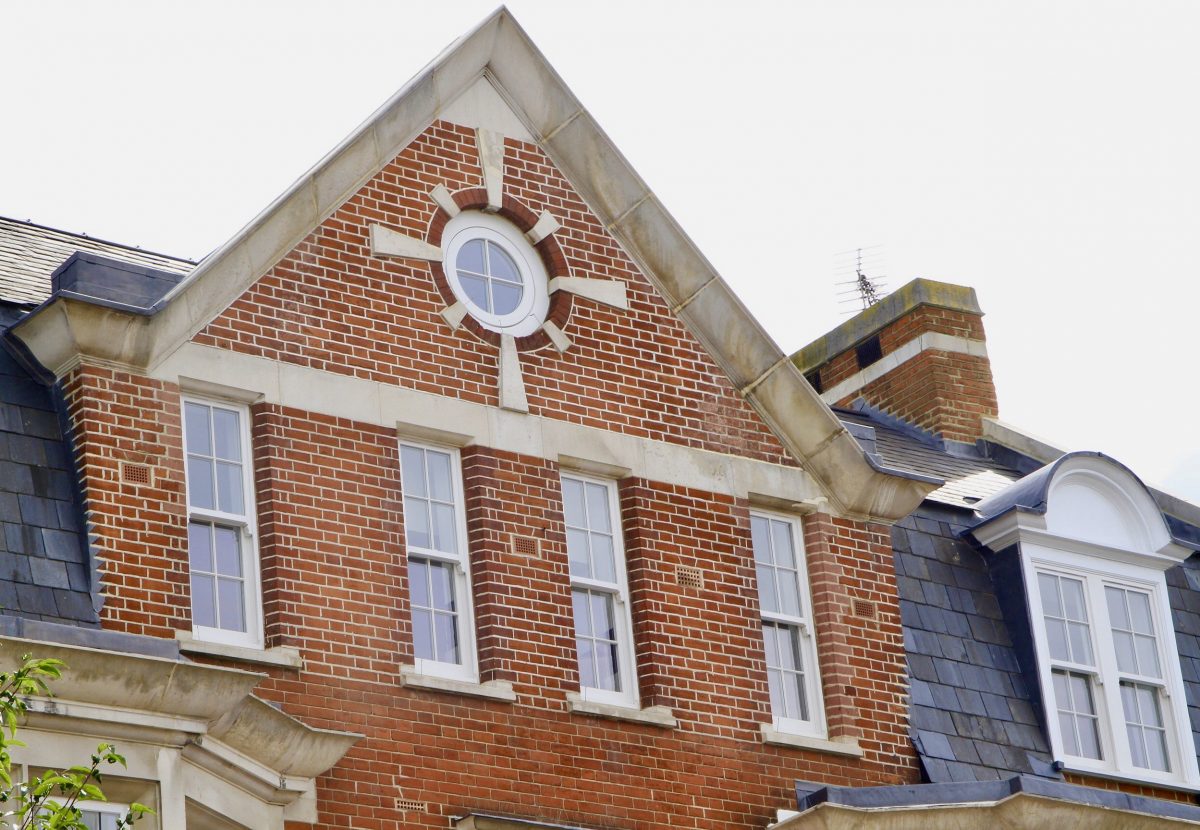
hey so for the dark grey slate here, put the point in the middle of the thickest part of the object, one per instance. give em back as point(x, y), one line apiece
point(112, 282)
point(45, 562)
point(961, 654)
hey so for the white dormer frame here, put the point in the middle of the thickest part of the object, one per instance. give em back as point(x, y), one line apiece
point(1102, 528)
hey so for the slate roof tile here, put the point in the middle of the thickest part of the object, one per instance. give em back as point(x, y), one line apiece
point(30, 253)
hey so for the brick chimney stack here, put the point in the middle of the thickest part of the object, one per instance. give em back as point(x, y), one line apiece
point(917, 355)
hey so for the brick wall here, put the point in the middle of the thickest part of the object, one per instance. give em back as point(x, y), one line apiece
point(944, 393)
point(140, 530)
point(331, 305)
point(698, 650)
point(334, 569)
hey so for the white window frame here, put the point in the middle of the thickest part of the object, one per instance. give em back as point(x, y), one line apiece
point(468, 670)
point(630, 696)
point(531, 311)
point(246, 525)
point(1096, 574)
point(815, 726)
point(103, 807)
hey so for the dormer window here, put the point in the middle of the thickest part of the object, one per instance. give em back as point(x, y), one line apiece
point(1094, 551)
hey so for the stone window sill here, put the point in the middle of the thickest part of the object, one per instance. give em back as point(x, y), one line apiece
point(283, 656)
point(652, 716)
point(492, 690)
point(848, 747)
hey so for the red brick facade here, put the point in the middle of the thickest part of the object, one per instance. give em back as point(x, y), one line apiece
point(943, 392)
point(334, 567)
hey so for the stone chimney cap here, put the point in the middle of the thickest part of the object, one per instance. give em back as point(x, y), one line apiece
point(891, 308)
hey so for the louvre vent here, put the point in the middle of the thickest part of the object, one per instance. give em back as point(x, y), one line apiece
point(407, 805)
point(524, 546)
point(689, 577)
point(864, 609)
point(136, 474)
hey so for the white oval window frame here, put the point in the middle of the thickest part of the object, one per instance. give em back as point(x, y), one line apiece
point(531, 311)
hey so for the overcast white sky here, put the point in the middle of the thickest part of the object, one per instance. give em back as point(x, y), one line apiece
point(1045, 153)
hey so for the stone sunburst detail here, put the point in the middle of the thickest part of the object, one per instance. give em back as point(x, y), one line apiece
point(472, 296)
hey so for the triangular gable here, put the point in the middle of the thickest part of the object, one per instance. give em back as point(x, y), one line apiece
point(497, 61)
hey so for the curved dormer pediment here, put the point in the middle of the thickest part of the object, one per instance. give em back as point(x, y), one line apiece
point(1085, 501)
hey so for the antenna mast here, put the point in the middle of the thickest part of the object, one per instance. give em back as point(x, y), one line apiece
point(862, 289)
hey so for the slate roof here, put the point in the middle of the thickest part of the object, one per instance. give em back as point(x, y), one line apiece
point(968, 480)
point(30, 253)
point(44, 563)
point(976, 711)
point(972, 712)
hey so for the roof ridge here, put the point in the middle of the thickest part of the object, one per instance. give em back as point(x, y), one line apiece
point(77, 235)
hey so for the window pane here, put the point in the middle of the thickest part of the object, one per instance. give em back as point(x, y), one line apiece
point(1048, 587)
point(229, 551)
point(1129, 703)
point(597, 508)
point(476, 290)
point(767, 596)
point(1147, 656)
point(771, 645)
point(231, 602)
point(1081, 693)
point(1056, 637)
point(440, 486)
point(1081, 643)
point(577, 553)
point(760, 537)
point(446, 636)
point(200, 483)
point(1137, 749)
point(793, 694)
point(227, 434)
point(603, 623)
point(789, 656)
point(1066, 727)
point(412, 470)
point(1156, 750)
point(505, 297)
point(1089, 737)
point(1072, 595)
point(204, 601)
point(416, 524)
point(1147, 698)
point(583, 615)
point(470, 257)
point(1126, 658)
point(587, 663)
point(608, 675)
point(441, 578)
point(418, 582)
point(196, 424)
point(573, 502)
point(785, 552)
point(1118, 613)
point(789, 592)
point(775, 683)
point(444, 534)
point(200, 546)
point(422, 634)
point(603, 559)
point(1139, 612)
point(501, 265)
point(230, 498)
